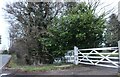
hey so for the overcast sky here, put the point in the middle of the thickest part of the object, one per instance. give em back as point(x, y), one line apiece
point(4, 25)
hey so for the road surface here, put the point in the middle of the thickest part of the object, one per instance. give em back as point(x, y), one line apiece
point(3, 61)
point(79, 71)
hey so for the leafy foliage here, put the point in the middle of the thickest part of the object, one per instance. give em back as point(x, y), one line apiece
point(79, 26)
point(112, 31)
point(40, 32)
point(5, 52)
point(29, 22)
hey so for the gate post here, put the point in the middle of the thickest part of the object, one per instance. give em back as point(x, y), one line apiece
point(0, 63)
point(75, 55)
point(0, 58)
point(119, 56)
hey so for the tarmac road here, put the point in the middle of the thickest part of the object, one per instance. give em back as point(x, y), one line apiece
point(3, 61)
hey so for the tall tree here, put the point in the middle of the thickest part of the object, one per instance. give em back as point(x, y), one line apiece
point(41, 31)
point(78, 26)
point(29, 23)
point(112, 28)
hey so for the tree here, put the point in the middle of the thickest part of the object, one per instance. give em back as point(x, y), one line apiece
point(112, 29)
point(29, 23)
point(79, 26)
point(40, 32)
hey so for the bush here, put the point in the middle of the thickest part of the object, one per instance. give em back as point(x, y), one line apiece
point(5, 52)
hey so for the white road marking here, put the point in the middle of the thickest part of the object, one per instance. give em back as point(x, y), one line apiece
point(4, 74)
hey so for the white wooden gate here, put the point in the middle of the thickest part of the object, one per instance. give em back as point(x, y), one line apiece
point(107, 57)
point(99, 56)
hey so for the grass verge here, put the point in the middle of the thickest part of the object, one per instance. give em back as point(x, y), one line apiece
point(45, 67)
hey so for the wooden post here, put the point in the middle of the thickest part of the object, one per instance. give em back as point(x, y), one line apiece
point(119, 56)
point(119, 35)
point(119, 21)
point(0, 64)
point(119, 11)
point(0, 59)
point(0, 39)
point(75, 55)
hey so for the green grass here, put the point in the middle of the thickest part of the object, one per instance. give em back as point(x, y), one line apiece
point(118, 74)
point(45, 67)
point(12, 62)
point(38, 68)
